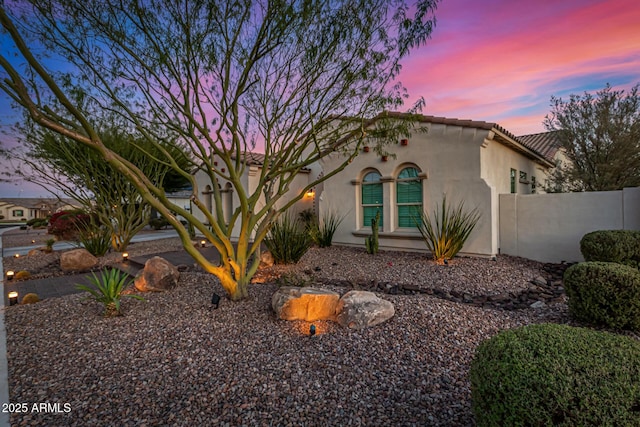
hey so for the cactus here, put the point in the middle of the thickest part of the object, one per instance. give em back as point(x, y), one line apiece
point(22, 274)
point(30, 299)
point(371, 242)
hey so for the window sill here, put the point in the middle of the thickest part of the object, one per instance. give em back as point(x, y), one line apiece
point(398, 234)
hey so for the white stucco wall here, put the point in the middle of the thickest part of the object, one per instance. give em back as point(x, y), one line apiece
point(250, 181)
point(454, 162)
point(548, 227)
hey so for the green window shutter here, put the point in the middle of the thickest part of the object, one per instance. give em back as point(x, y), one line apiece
point(409, 197)
point(371, 198)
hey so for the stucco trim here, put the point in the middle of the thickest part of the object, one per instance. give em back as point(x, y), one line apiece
point(389, 234)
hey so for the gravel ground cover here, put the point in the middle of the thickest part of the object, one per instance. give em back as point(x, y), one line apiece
point(172, 361)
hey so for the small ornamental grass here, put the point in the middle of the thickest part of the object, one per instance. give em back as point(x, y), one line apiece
point(96, 240)
point(108, 290)
point(287, 240)
point(322, 235)
point(448, 230)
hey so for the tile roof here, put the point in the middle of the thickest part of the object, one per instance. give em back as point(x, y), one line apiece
point(544, 143)
point(36, 202)
point(543, 146)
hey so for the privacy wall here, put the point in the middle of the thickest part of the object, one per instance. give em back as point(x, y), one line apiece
point(548, 227)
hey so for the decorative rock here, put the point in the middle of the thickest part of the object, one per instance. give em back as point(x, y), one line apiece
point(310, 304)
point(77, 260)
point(540, 281)
point(266, 259)
point(361, 309)
point(34, 252)
point(158, 275)
point(538, 304)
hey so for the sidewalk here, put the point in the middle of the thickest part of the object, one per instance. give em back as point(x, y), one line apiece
point(53, 287)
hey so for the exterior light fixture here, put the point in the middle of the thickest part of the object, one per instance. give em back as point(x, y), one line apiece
point(125, 256)
point(16, 256)
point(203, 243)
point(310, 193)
point(13, 298)
point(215, 301)
point(10, 275)
point(312, 330)
point(33, 241)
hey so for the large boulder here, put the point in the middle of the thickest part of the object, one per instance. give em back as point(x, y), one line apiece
point(361, 309)
point(77, 260)
point(158, 275)
point(310, 304)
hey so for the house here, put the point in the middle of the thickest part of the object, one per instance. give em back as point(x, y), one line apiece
point(466, 160)
point(23, 208)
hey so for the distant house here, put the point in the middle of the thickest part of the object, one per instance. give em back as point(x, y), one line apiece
point(470, 161)
point(17, 209)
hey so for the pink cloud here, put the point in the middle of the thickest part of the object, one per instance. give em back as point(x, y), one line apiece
point(487, 60)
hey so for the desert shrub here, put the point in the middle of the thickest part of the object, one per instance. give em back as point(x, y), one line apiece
point(544, 375)
point(22, 275)
point(323, 233)
point(158, 223)
point(37, 222)
point(604, 293)
point(445, 232)
point(30, 298)
point(66, 225)
point(287, 240)
point(49, 245)
point(108, 289)
point(621, 246)
point(96, 239)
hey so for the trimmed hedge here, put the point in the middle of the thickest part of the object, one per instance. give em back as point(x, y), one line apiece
point(621, 246)
point(604, 293)
point(551, 374)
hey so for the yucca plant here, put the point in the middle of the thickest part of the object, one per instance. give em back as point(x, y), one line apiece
point(287, 241)
point(97, 240)
point(446, 232)
point(108, 290)
point(329, 223)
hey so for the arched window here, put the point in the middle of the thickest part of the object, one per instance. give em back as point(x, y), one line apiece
point(409, 197)
point(371, 198)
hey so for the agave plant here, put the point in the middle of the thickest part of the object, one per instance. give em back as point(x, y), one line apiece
point(108, 290)
point(446, 232)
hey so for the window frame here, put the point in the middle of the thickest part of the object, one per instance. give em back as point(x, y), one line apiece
point(379, 206)
point(399, 204)
point(17, 213)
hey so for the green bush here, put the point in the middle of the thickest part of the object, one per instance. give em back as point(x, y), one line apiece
point(158, 223)
point(287, 240)
point(621, 246)
point(604, 293)
point(550, 375)
point(37, 222)
point(446, 232)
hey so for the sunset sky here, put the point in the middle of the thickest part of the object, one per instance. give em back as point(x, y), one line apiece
point(502, 60)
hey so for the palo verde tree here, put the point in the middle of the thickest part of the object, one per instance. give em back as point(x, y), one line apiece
point(600, 136)
point(79, 172)
point(296, 80)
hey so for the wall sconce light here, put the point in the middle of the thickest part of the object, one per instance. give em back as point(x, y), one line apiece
point(16, 256)
point(203, 243)
point(10, 275)
point(310, 193)
point(312, 330)
point(13, 298)
point(215, 301)
point(125, 256)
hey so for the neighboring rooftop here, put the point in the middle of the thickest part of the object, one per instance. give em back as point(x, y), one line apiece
point(544, 143)
point(37, 202)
